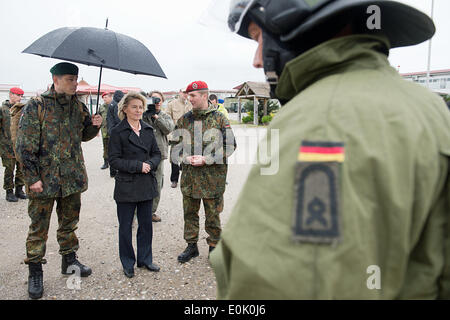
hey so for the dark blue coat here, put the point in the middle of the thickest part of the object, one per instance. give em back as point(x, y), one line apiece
point(126, 153)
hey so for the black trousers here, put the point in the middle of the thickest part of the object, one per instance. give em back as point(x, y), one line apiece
point(175, 172)
point(125, 213)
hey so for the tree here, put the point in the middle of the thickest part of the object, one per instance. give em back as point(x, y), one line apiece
point(272, 106)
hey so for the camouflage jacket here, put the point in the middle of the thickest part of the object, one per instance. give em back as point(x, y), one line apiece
point(161, 128)
point(6, 147)
point(48, 144)
point(16, 113)
point(103, 111)
point(206, 133)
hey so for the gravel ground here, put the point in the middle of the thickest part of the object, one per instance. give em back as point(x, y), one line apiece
point(98, 236)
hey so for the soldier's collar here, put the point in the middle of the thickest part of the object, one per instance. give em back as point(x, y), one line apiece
point(348, 53)
point(61, 98)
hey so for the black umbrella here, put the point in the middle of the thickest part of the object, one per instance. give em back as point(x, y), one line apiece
point(97, 47)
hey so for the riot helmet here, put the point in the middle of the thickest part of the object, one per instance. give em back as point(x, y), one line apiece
point(291, 27)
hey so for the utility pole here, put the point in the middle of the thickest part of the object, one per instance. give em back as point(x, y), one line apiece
point(429, 49)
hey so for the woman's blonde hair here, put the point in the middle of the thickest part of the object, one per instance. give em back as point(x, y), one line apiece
point(126, 100)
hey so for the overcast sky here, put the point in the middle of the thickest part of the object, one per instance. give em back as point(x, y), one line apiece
point(186, 50)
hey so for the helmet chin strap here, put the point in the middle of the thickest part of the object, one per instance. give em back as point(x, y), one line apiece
point(275, 58)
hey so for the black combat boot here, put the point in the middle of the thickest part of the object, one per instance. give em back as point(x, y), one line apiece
point(105, 165)
point(35, 281)
point(190, 252)
point(71, 260)
point(10, 197)
point(20, 194)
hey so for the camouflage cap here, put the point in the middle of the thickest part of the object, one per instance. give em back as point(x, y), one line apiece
point(64, 68)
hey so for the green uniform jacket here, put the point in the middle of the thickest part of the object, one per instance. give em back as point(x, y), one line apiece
point(49, 144)
point(161, 128)
point(393, 207)
point(103, 111)
point(6, 147)
point(216, 142)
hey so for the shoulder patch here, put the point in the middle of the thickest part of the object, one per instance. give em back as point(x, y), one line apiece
point(317, 212)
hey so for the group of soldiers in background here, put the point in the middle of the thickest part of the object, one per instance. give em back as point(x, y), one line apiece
point(9, 117)
point(163, 123)
point(42, 140)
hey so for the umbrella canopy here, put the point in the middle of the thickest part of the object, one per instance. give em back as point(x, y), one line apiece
point(97, 47)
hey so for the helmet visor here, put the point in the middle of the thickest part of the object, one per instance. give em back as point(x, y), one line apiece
point(238, 11)
point(226, 15)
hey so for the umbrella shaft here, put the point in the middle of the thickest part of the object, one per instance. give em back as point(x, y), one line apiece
point(98, 91)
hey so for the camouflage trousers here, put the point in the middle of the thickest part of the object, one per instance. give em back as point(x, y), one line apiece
point(8, 180)
point(213, 208)
point(105, 148)
point(160, 182)
point(40, 210)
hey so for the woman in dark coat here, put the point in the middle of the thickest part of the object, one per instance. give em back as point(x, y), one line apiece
point(134, 153)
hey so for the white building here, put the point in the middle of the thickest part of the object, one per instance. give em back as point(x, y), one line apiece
point(439, 80)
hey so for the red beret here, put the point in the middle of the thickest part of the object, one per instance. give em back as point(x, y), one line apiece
point(197, 85)
point(17, 91)
point(105, 93)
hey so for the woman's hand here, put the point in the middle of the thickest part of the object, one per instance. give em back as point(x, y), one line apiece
point(145, 167)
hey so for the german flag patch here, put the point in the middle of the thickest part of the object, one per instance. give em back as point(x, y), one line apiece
point(317, 191)
point(321, 152)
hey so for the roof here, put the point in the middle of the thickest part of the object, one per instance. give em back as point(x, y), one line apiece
point(434, 72)
point(84, 87)
point(250, 88)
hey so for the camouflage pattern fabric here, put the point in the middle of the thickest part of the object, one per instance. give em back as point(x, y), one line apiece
point(6, 147)
point(16, 113)
point(161, 128)
point(159, 184)
point(103, 111)
point(40, 210)
point(49, 147)
point(8, 180)
point(105, 148)
point(213, 208)
point(211, 133)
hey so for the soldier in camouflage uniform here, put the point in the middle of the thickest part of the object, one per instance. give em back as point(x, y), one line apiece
point(107, 98)
point(48, 145)
point(207, 141)
point(162, 126)
point(6, 149)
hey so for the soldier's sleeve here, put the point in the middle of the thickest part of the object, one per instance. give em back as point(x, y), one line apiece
point(28, 141)
point(102, 112)
point(228, 142)
point(89, 131)
point(444, 207)
point(164, 123)
point(155, 156)
point(170, 110)
point(178, 142)
point(2, 137)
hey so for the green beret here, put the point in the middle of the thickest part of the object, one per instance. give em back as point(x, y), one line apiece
point(64, 68)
